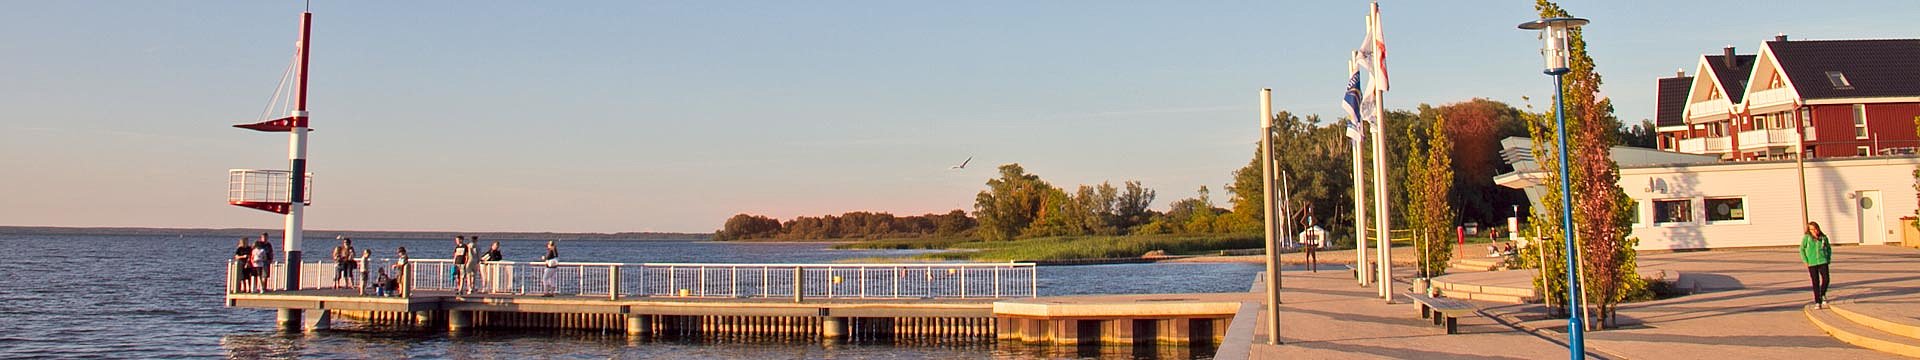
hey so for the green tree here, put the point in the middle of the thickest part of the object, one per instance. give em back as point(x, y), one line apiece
point(1430, 216)
point(745, 226)
point(1010, 204)
point(1601, 207)
point(1134, 206)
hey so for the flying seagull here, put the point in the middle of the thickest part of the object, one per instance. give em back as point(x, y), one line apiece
point(963, 164)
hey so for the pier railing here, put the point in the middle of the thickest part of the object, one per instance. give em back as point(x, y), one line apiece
point(698, 280)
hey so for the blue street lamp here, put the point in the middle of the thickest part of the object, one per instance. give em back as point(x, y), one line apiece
point(1554, 34)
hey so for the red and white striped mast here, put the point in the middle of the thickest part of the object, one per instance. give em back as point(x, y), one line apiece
point(294, 199)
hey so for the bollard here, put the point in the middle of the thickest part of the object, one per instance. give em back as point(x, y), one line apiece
point(613, 282)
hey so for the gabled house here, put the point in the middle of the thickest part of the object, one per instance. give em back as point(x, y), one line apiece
point(1852, 98)
point(1846, 97)
point(1669, 114)
point(1712, 103)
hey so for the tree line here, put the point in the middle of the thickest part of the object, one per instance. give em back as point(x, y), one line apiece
point(850, 225)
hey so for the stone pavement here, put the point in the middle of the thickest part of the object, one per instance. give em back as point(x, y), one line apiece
point(1326, 315)
point(1749, 307)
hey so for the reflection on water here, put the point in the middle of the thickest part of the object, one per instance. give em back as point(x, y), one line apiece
point(160, 297)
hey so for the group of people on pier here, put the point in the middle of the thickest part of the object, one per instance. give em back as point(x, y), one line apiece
point(253, 260)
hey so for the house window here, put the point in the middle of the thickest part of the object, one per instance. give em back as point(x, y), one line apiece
point(1672, 211)
point(1859, 121)
point(1839, 80)
point(1726, 209)
point(1862, 151)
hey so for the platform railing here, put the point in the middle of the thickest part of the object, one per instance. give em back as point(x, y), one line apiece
point(696, 280)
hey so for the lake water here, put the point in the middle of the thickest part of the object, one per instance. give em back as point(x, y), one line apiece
point(72, 296)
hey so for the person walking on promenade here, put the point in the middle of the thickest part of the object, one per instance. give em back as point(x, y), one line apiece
point(242, 266)
point(552, 260)
point(1817, 252)
point(343, 263)
point(1313, 259)
point(366, 261)
point(459, 260)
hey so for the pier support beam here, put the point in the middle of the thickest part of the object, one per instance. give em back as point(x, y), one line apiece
point(638, 325)
point(317, 320)
point(287, 319)
point(459, 320)
point(833, 327)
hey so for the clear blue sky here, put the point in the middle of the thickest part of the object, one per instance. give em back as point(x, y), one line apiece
point(671, 116)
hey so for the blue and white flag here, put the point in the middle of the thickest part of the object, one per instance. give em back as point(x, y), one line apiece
point(1352, 104)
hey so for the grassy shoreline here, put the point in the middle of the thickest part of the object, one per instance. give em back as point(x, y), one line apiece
point(1059, 247)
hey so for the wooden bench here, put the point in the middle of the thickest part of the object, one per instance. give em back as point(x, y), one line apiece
point(1443, 311)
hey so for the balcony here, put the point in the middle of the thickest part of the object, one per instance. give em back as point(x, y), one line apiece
point(1767, 100)
point(1709, 145)
point(1707, 109)
point(1754, 139)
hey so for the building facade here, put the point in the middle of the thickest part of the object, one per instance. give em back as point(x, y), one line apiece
point(1841, 98)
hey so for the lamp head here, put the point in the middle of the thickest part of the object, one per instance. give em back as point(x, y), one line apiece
point(1553, 36)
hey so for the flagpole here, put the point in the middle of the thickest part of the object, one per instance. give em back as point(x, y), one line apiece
point(1273, 247)
point(1381, 215)
point(1361, 268)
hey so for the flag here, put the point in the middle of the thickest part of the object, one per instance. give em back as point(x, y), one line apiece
point(1351, 102)
point(1377, 43)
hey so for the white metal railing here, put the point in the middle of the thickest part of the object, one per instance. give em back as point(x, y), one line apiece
point(697, 280)
point(264, 186)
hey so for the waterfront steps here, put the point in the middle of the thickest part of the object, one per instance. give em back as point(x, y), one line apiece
point(1887, 327)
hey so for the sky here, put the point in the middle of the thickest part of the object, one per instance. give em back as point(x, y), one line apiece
point(607, 116)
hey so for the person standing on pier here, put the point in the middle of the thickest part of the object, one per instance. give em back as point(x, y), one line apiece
point(493, 271)
point(366, 261)
point(1817, 252)
point(459, 260)
point(471, 268)
point(242, 266)
point(552, 259)
point(263, 253)
point(261, 264)
point(343, 263)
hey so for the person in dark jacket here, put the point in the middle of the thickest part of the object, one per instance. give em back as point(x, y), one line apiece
point(1817, 253)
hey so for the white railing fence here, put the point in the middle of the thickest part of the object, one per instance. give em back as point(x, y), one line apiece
point(694, 280)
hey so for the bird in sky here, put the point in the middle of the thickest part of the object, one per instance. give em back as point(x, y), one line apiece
point(963, 164)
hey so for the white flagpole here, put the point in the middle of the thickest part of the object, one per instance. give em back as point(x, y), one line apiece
point(1383, 215)
point(1361, 267)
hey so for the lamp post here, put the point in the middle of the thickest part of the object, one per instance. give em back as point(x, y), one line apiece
point(1553, 34)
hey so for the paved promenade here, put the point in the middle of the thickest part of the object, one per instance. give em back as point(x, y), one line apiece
point(1749, 306)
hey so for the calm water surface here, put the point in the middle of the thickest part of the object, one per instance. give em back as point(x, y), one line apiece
point(160, 297)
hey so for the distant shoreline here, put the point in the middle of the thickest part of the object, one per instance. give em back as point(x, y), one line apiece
point(372, 234)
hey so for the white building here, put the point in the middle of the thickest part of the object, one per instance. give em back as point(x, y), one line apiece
point(1685, 203)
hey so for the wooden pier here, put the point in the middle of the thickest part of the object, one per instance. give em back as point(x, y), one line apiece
point(990, 302)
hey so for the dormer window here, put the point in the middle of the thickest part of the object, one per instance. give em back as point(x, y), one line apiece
point(1839, 80)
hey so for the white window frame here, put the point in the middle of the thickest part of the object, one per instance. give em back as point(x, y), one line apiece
point(1693, 213)
point(1746, 216)
point(1862, 150)
point(1860, 121)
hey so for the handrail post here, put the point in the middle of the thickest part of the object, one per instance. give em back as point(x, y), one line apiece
point(996, 281)
point(799, 292)
point(406, 280)
point(613, 282)
point(898, 272)
point(702, 281)
point(963, 282)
